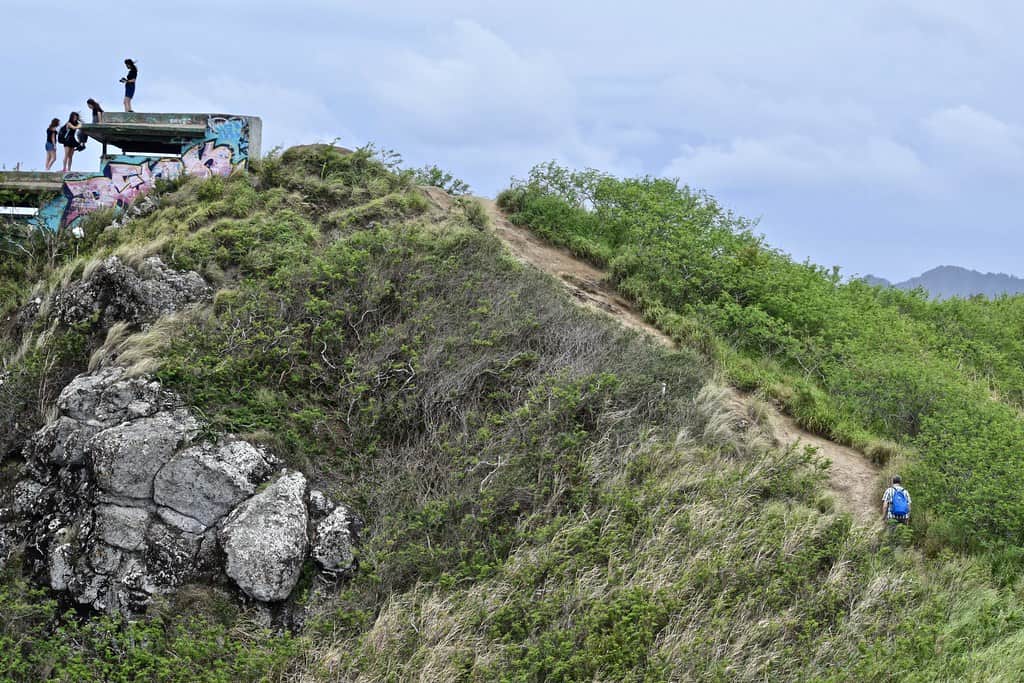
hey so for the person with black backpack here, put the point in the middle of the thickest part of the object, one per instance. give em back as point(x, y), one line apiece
point(68, 136)
point(896, 503)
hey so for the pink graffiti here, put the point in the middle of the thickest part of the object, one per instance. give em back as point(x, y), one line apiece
point(99, 192)
point(208, 159)
point(121, 182)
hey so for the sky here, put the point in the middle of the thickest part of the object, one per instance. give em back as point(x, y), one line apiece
point(883, 137)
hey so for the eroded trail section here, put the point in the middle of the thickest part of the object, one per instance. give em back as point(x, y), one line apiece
point(853, 478)
point(586, 283)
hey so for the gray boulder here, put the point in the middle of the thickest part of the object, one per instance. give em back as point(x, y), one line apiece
point(319, 505)
point(28, 494)
point(127, 457)
point(60, 443)
point(106, 398)
point(205, 482)
point(122, 527)
point(168, 550)
point(61, 571)
point(120, 500)
point(265, 539)
point(334, 543)
point(116, 292)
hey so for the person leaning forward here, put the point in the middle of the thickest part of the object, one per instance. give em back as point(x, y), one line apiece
point(68, 136)
point(896, 502)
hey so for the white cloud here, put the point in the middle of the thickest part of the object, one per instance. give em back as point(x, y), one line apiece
point(702, 100)
point(795, 160)
point(475, 86)
point(980, 138)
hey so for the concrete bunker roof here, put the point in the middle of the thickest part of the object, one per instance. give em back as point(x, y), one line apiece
point(156, 133)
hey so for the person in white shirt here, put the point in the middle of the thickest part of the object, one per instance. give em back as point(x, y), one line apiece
point(896, 502)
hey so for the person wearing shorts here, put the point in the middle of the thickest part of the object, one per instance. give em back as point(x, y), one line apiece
point(51, 143)
point(129, 83)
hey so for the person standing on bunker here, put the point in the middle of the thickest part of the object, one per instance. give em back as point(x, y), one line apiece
point(51, 143)
point(129, 83)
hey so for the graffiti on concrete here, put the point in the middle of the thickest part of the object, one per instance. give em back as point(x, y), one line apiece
point(208, 159)
point(121, 181)
point(234, 133)
point(223, 150)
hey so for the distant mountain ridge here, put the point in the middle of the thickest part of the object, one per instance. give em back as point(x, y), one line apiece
point(949, 281)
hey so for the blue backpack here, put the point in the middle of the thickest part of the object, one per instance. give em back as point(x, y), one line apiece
point(900, 506)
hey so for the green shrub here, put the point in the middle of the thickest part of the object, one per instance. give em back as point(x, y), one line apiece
point(38, 642)
point(436, 177)
point(476, 214)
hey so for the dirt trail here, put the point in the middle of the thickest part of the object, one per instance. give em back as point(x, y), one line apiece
point(585, 282)
point(852, 476)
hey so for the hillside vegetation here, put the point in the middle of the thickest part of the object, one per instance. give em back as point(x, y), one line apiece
point(546, 495)
point(883, 370)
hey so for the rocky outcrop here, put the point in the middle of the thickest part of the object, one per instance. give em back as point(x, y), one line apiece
point(205, 482)
point(112, 292)
point(109, 292)
point(265, 539)
point(116, 292)
point(122, 500)
point(121, 497)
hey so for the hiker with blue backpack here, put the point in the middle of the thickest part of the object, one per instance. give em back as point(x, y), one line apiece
point(896, 503)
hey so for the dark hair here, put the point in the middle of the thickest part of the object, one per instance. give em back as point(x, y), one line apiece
point(54, 122)
point(91, 102)
point(897, 479)
point(73, 115)
point(129, 62)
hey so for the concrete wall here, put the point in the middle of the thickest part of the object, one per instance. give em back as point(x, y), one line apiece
point(227, 146)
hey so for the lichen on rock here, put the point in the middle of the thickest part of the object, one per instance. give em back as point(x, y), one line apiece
point(265, 539)
point(334, 545)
